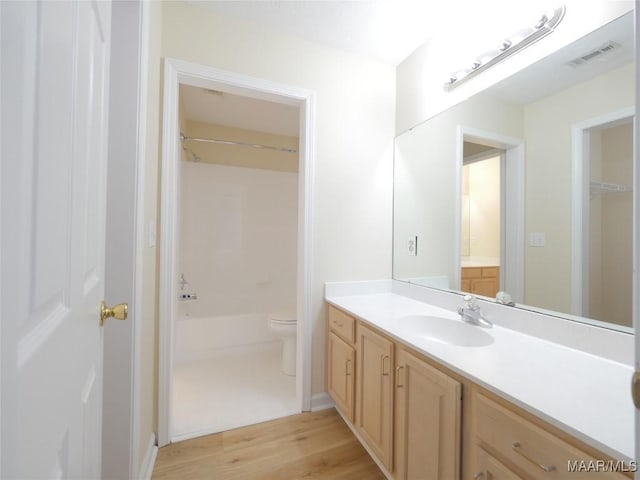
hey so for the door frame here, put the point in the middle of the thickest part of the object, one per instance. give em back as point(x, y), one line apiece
point(512, 219)
point(178, 72)
point(580, 139)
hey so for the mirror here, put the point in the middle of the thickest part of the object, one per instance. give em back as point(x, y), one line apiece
point(526, 187)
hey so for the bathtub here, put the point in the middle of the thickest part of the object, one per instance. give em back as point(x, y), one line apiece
point(197, 337)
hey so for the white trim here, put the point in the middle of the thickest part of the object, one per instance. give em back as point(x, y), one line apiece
point(146, 468)
point(457, 236)
point(512, 249)
point(175, 73)
point(321, 401)
point(580, 201)
point(138, 307)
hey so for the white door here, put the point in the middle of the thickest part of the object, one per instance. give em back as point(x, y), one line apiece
point(55, 59)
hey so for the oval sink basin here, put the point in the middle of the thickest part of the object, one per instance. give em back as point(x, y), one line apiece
point(445, 330)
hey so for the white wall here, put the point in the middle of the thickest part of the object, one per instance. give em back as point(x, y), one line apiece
point(353, 151)
point(238, 234)
point(425, 176)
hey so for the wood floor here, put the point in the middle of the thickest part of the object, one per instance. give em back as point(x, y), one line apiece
point(313, 445)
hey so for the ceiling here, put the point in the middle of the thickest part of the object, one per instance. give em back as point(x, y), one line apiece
point(384, 30)
point(554, 73)
point(217, 108)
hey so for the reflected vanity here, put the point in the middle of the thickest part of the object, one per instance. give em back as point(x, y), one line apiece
point(526, 187)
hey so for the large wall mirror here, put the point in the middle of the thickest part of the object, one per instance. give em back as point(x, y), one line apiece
point(526, 187)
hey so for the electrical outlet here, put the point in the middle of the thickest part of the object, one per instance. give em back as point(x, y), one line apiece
point(187, 296)
point(412, 246)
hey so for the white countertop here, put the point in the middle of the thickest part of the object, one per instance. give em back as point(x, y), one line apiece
point(586, 395)
point(479, 262)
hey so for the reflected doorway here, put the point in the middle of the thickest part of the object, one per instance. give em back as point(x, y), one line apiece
point(481, 230)
point(607, 216)
point(494, 251)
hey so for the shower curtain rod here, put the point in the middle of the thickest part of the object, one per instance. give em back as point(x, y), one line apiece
point(184, 138)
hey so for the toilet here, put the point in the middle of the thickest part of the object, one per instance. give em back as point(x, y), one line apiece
point(284, 326)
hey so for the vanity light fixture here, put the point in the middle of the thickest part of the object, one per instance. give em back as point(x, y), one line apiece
point(510, 45)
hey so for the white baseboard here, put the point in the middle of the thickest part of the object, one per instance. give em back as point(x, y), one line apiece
point(321, 401)
point(146, 469)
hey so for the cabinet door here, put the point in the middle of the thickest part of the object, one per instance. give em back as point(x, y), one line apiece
point(374, 393)
point(340, 380)
point(427, 427)
point(487, 287)
point(489, 468)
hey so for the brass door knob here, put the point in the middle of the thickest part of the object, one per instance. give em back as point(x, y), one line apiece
point(119, 312)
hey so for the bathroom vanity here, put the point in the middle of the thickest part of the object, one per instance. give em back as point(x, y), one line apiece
point(457, 401)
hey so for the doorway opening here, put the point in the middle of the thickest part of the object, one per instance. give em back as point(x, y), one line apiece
point(482, 219)
point(235, 251)
point(603, 218)
point(490, 200)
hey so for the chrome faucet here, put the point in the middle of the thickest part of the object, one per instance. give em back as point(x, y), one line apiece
point(471, 313)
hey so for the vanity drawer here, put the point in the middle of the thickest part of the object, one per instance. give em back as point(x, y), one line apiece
point(471, 272)
point(529, 448)
point(490, 272)
point(342, 324)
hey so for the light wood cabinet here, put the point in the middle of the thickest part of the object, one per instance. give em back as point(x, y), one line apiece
point(490, 468)
point(480, 280)
point(525, 448)
point(374, 392)
point(427, 423)
point(416, 416)
point(341, 361)
point(341, 374)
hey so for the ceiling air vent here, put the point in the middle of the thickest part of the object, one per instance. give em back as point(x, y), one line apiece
point(592, 55)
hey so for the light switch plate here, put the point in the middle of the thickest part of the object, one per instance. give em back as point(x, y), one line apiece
point(537, 239)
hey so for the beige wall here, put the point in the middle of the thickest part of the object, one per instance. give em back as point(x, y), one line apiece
point(616, 229)
point(484, 208)
point(548, 179)
point(353, 154)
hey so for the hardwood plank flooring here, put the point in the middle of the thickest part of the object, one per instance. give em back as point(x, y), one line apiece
point(312, 445)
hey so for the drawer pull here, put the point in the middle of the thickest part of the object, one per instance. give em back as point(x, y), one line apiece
point(518, 449)
point(382, 365)
point(339, 324)
point(478, 475)
point(398, 384)
point(348, 364)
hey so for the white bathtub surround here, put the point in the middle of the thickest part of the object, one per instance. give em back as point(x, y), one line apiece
point(200, 337)
point(230, 388)
point(570, 375)
point(238, 238)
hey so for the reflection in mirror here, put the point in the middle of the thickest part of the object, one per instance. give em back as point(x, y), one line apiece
point(481, 227)
point(552, 223)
